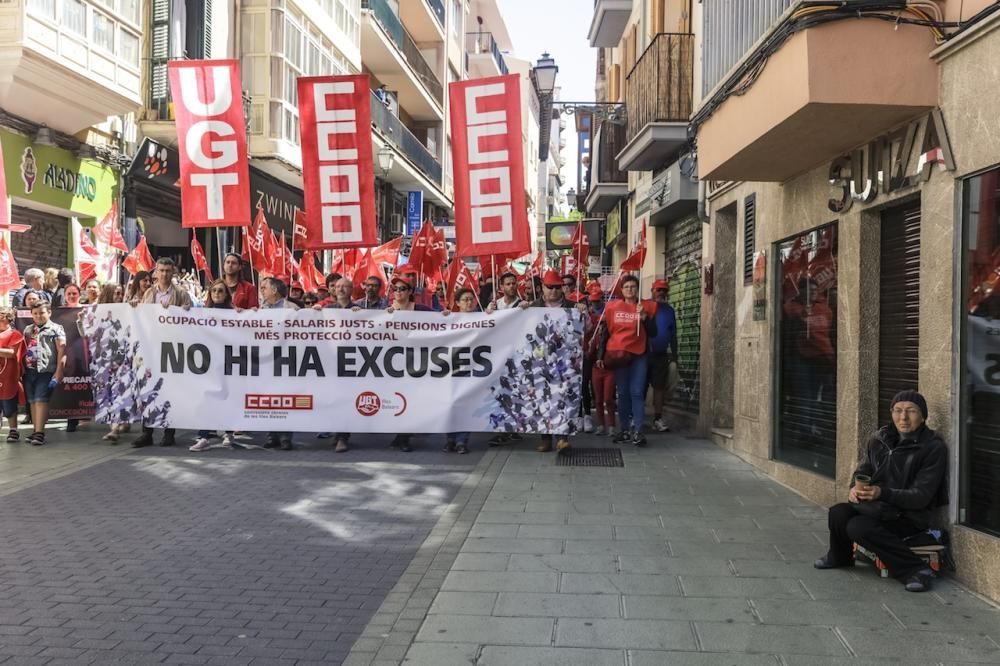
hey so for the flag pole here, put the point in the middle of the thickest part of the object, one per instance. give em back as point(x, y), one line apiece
point(493, 273)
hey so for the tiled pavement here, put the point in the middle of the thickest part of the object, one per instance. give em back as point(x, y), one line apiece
point(684, 556)
point(165, 556)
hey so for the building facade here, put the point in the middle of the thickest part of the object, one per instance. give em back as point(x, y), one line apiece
point(850, 234)
point(69, 82)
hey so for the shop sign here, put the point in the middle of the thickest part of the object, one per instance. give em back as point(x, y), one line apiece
point(559, 235)
point(56, 177)
point(613, 225)
point(883, 165)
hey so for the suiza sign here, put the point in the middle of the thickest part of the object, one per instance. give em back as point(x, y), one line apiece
point(883, 165)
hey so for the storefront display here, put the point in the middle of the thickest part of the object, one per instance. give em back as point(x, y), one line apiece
point(980, 456)
point(806, 426)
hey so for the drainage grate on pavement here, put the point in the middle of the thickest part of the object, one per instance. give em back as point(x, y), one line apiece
point(602, 457)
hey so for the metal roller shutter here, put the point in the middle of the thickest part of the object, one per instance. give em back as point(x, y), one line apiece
point(683, 268)
point(44, 244)
point(899, 305)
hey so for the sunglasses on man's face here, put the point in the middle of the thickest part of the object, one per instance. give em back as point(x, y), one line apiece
point(553, 286)
point(372, 285)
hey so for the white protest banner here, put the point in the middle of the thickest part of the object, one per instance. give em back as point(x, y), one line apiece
point(324, 370)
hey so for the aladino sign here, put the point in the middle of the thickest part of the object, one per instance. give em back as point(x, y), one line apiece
point(56, 177)
point(883, 164)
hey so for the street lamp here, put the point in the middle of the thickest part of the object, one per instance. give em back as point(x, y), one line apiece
point(545, 74)
point(386, 157)
point(571, 198)
point(545, 82)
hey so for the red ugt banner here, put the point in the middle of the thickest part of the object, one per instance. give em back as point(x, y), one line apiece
point(337, 171)
point(212, 142)
point(490, 215)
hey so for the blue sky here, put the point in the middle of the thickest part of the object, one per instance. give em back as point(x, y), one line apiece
point(559, 27)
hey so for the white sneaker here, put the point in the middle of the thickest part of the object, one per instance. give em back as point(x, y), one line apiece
point(588, 423)
point(599, 430)
point(227, 441)
point(200, 444)
point(612, 431)
point(660, 425)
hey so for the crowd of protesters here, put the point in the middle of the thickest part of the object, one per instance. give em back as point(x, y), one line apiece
point(630, 342)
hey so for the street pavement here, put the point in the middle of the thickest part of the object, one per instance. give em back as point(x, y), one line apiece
point(686, 555)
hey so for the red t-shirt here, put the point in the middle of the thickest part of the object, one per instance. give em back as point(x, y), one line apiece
point(10, 368)
point(622, 319)
point(244, 296)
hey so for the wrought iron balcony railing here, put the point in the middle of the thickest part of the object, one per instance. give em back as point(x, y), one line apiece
point(660, 85)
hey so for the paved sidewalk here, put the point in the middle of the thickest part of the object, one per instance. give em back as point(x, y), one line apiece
point(687, 555)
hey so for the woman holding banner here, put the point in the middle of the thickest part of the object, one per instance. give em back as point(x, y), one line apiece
point(402, 300)
point(11, 355)
point(458, 442)
point(216, 296)
point(629, 323)
point(140, 282)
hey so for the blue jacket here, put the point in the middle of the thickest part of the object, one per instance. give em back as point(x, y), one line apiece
point(666, 330)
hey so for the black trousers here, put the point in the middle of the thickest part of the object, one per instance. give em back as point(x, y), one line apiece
point(586, 400)
point(883, 537)
point(167, 432)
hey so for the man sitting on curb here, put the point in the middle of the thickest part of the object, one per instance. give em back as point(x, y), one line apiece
point(899, 482)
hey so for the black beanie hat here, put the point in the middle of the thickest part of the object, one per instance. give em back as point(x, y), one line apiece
point(910, 395)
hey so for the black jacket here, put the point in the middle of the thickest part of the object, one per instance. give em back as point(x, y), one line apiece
point(912, 472)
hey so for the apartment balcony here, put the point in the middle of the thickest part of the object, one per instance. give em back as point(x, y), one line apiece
point(70, 64)
point(390, 53)
point(609, 21)
point(415, 167)
point(423, 19)
point(608, 184)
point(483, 55)
point(801, 113)
point(658, 100)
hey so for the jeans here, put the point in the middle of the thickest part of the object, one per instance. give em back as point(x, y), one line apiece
point(630, 380)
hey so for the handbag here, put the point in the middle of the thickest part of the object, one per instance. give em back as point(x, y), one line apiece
point(617, 358)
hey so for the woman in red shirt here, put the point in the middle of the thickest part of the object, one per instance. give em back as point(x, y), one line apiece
point(629, 323)
point(11, 354)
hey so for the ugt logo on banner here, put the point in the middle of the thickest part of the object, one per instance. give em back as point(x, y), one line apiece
point(490, 215)
point(211, 141)
point(337, 172)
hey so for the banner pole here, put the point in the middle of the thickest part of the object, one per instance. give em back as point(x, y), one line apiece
point(493, 274)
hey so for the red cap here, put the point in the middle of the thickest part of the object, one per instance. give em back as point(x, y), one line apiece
point(660, 284)
point(396, 277)
point(552, 279)
point(405, 268)
point(594, 286)
point(296, 285)
point(596, 295)
point(577, 297)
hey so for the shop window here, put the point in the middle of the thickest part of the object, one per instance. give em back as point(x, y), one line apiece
point(980, 453)
point(806, 433)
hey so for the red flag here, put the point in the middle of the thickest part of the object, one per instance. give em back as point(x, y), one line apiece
point(637, 258)
point(312, 278)
point(488, 156)
point(421, 245)
point(211, 142)
point(823, 266)
point(139, 259)
point(366, 268)
point(581, 249)
point(300, 235)
point(9, 277)
point(106, 231)
point(437, 254)
point(255, 245)
point(388, 253)
point(338, 176)
point(278, 251)
point(200, 262)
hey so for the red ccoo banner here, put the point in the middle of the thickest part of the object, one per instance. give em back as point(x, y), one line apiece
point(490, 215)
point(212, 142)
point(337, 171)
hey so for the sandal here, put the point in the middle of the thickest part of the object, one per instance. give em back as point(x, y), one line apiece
point(13, 435)
point(37, 438)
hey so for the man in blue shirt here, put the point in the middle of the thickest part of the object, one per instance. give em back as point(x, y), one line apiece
point(662, 352)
